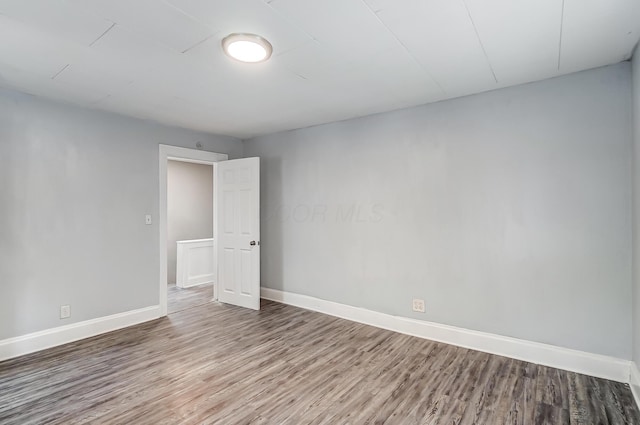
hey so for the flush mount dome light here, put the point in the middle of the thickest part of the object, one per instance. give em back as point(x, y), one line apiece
point(247, 47)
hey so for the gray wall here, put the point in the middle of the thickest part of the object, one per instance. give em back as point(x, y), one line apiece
point(189, 207)
point(636, 214)
point(75, 186)
point(507, 212)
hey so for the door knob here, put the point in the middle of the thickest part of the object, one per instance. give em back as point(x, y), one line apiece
point(253, 243)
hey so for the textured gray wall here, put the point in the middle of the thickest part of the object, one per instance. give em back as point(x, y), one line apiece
point(636, 215)
point(75, 185)
point(507, 212)
point(189, 207)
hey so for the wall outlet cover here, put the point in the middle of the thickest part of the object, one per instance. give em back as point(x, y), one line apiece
point(418, 305)
point(65, 311)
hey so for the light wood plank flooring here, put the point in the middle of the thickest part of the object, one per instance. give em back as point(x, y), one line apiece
point(217, 364)
point(182, 298)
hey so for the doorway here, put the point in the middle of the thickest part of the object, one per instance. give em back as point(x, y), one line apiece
point(190, 259)
point(236, 227)
point(201, 282)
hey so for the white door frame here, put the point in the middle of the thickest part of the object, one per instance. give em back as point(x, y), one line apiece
point(185, 155)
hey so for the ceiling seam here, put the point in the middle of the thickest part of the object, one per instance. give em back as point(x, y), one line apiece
point(60, 72)
point(406, 49)
point(561, 31)
point(312, 39)
point(302, 30)
point(475, 29)
point(178, 9)
point(113, 24)
point(282, 52)
point(199, 42)
point(96, 102)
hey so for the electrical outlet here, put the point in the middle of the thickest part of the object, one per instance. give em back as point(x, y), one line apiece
point(147, 219)
point(418, 305)
point(65, 311)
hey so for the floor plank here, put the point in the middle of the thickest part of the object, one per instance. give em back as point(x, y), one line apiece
point(209, 363)
point(179, 299)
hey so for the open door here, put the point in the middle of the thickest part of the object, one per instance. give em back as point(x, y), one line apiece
point(237, 234)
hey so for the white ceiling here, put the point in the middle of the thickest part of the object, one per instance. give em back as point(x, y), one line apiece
point(333, 59)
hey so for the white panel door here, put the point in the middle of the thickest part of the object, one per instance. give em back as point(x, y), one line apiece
point(237, 210)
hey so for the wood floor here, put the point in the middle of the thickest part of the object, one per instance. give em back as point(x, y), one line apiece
point(217, 364)
point(179, 299)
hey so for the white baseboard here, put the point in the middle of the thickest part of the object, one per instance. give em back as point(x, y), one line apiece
point(18, 346)
point(562, 358)
point(634, 382)
point(534, 352)
point(209, 282)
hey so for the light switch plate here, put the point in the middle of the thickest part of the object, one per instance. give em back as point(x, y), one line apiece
point(147, 219)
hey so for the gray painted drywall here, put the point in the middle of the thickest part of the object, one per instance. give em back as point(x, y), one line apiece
point(189, 207)
point(636, 214)
point(507, 212)
point(75, 185)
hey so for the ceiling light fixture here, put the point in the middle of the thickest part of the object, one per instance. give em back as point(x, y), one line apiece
point(249, 48)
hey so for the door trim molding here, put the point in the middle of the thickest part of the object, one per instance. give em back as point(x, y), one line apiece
point(166, 153)
point(577, 361)
point(634, 382)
